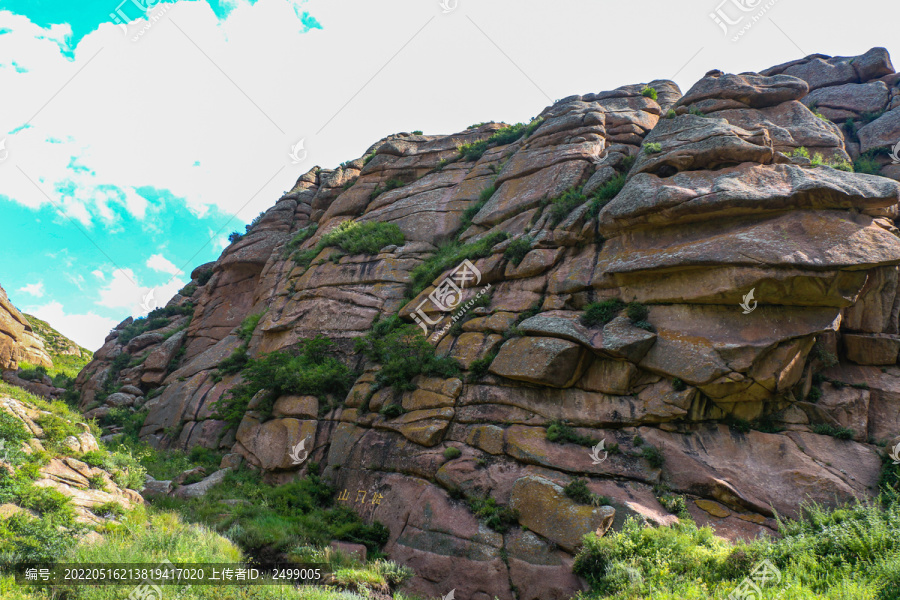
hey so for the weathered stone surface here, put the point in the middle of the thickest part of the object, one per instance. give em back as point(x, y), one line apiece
point(871, 348)
point(546, 510)
point(883, 132)
point(755, 91)
point(697, 196)
point(851, 98)
point(268, 445)
point(548, 361)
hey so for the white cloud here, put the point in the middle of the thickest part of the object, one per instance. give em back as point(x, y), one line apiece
point(160, 263)
point(98, 274)
point(34, 289)
point(88, 330)
point(124, 291)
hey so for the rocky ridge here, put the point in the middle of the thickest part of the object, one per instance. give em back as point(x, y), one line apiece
point(755, 369)
point(18, 340)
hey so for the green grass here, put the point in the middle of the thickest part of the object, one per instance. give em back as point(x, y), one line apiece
point(562, 207)
point(866, 163)
point(452, 452)
point(354, 237)
point(841, 433)
point(653, 456)
point(559, 432)
point(448, 256)
point(496, 516)
point(403, 353)
point(517, 250)
point(390, 184)
point(507, 135)
point(476, 207)
point(607, 192)
point(652, 148)
point(479, 367)
point(578, 491)
point(601, 313)
point(849, 552)
point(310, 368)
point(649, 92)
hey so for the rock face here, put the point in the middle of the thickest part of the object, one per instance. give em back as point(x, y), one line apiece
point(18, 341)
point(759, 275)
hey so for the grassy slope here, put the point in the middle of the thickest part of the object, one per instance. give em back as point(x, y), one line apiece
point(152, 534)
point(60, 349)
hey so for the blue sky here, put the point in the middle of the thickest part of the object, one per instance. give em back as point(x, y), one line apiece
point(128, 144)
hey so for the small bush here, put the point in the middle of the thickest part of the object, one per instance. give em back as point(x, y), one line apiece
point(97, 482)
point(562, 207)
point(678, 385)
point(637, 312)
point(653, 456)
point(578, 491)
point(363, 238)
point(814, 394)
point(696, 112)
point(417, 132)
point(479, 368)
point(601, 313)
point(649, 92)
point(738, 424)
point(452, 452)
point(235, 236)
point(390, 184)
point(497, 517)
point(248, 326)
point(403, 353)
point(391, 411)
point(449, 256)
point(501, 137)
point(671, 114)
point(559, 432)
point(607, 192)
point(652, 148)
point(204, 276)
point(866, 163)
point(841, 433)
point(800, 152)
point(517, 250)
point(308, 369)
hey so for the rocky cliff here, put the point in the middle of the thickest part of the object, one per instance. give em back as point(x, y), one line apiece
point(754, 366)
point(18, 341)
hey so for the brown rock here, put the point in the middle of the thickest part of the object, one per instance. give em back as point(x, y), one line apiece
point(548, 361)
point(871, 348)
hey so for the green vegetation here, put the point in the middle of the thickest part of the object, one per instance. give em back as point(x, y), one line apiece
point(675, 504)
point(309, 369)
point(601, 313)
point(479, 367)
point(299, 238)
point(671, 114)
point(392, 411)
point(848, 552)
point(67, 356)
point(559, 432)
point(403, 353)
point(448, 256)
point(354, 237)
point(578, 491)
point(800, 152)
point(696, 112)
point(605, 193)
point(501, 137)
point(475, 208)
point(517, 250)
point(866, 163)
point(390, 184)
point(653, 456)
point(652, 147)
point(235, 236)
point(649, 92)
point(452, 452)
point(417, 132)
point(497, 517)
point(562, 207)
point(841, 433)
point(678, 385)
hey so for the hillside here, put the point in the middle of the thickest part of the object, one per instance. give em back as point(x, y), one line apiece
point(642, 307)
point(18, 342)
point(67, 356)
